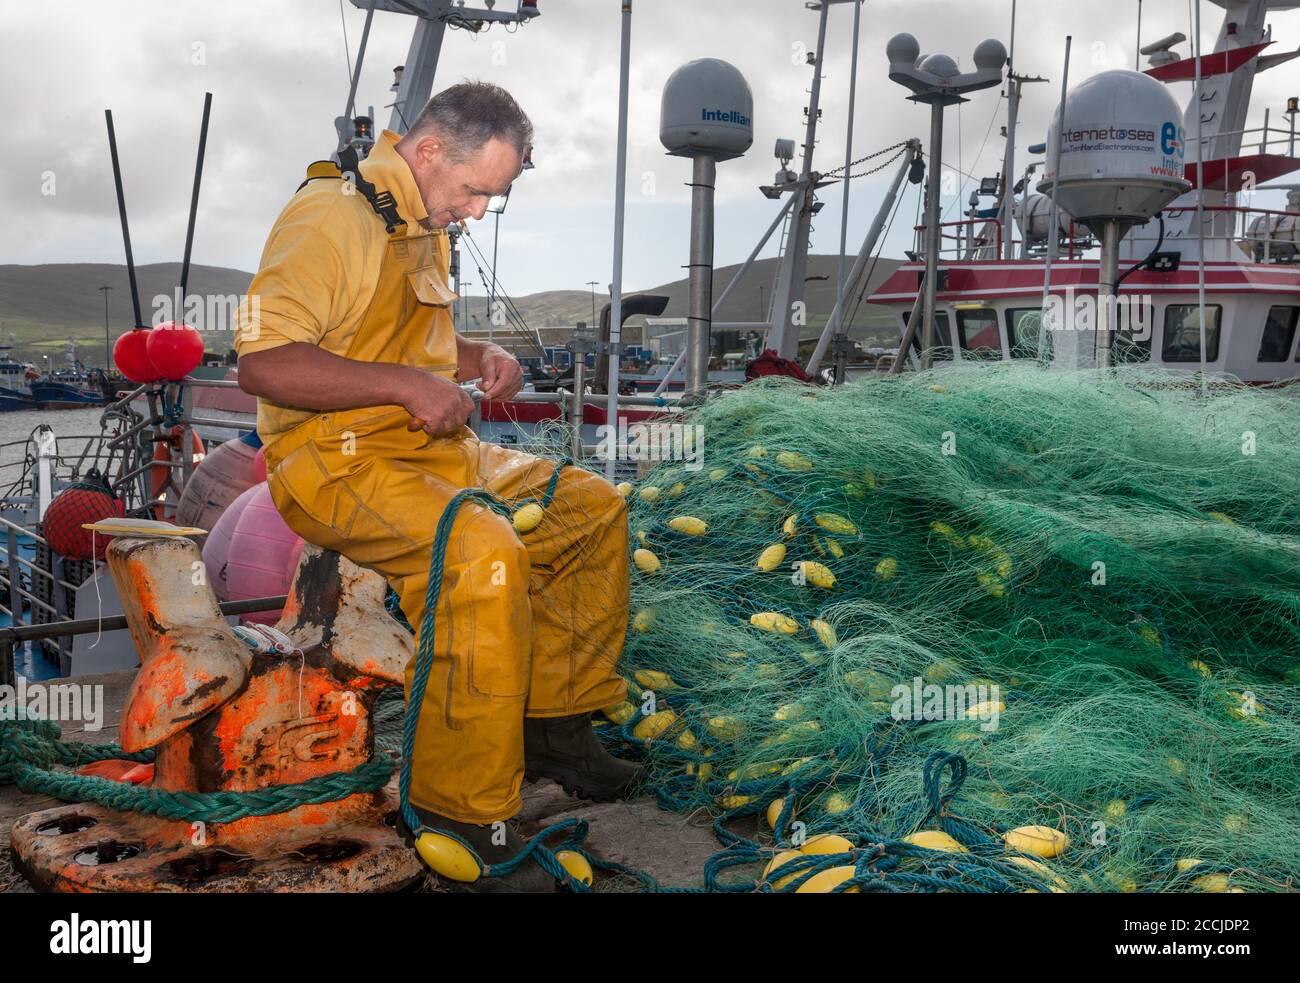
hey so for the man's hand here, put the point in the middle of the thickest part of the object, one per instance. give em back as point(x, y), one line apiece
point(500, 374)
point(436, 405)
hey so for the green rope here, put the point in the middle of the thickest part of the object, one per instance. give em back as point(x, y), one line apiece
point(30, 748)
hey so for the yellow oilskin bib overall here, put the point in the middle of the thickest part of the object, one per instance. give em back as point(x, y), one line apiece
point(528, 624)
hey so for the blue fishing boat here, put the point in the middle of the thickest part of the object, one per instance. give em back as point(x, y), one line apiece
point(14, 376)
point(70, 387)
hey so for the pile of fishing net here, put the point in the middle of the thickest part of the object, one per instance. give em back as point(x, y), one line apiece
point(999, 628)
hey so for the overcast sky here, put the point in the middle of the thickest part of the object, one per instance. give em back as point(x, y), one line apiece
point(278, 73)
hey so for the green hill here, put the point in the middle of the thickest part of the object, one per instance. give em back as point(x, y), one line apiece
point(42, 307)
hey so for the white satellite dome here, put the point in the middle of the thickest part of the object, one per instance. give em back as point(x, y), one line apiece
point(1122, 156)
point(707, 108)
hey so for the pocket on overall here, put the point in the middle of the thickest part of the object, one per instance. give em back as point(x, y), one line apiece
point(317, 494)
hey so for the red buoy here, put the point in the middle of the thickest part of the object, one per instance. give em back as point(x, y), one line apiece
point(175, 349)
point(132, 358)
point(85, 501)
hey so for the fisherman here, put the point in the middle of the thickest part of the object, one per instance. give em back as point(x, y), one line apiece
point(349, 344)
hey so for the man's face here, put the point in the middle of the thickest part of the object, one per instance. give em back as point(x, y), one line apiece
point(453, 191)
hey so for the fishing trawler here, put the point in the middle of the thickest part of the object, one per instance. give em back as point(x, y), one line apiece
point(1212, 248)
point(72, 386)
point(14, 379)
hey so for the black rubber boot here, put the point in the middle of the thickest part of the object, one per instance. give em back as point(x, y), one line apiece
point(567, 751)
point(527, 878)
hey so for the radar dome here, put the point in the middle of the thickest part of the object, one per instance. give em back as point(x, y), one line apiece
point(707, 108)
point(940, 65)
point(1122, 152)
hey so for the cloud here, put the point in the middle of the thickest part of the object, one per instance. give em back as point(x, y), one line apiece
point(278, 72)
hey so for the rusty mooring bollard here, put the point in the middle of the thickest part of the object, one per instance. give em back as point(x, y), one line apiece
point(223, 718)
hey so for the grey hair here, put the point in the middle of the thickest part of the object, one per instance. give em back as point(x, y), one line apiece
point(470, 114)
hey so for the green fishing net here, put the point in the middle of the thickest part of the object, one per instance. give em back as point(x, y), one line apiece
point(966, 602)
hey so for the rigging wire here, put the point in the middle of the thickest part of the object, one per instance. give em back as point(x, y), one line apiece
point(992, 119)
point(347, 48)
point(514, 317)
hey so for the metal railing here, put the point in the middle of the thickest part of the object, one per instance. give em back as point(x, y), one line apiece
point(1231, 225)
point(68, 628)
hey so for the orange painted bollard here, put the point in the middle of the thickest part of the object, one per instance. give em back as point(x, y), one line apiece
point(221, 716)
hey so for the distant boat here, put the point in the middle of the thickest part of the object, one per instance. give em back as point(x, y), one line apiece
point(71, 387)
point(14, 377)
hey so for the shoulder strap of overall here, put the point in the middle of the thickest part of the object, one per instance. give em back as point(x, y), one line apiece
point(382, 202)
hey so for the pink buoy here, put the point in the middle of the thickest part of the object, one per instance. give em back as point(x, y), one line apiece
point(263, 554)
point(259, 464)
point(220, 478)
point(216, 548)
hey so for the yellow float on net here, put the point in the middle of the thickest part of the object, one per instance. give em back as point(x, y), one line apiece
point(826, 843)
point(1041, 841)
point(1211, 883)
point(1042, 870)
point(793, 461)
point(836, 524)
point(887, 568)
point(725, 728)
point(993, 585)
point(676, 490)
point(577, 866)
point(949, 534)
point(824, 881)
point(758, 450)
point(654, 679)
point(734, 801)
point(688, 525)
point(774, 811)
point(770, 558)
point(620, 713)
point(527, 518)
point(788, 712)
point(836, 803)
point(654, 725)
point(780, 860)
point(649, 493)
point(642, 620)
point(1115, 809)
point(817, 574)
point(825, 633)
point(790, 525)
point(717, 474)
point(774, 622)
point(448, 857)
point(624, 488)
point(646, 561)
point(934, 839)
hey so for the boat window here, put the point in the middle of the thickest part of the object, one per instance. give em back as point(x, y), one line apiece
point(1279, 332)
point(1022, 331)
point(977, 330)
point(1182, 341)
point(1131, 342)
point(943, 335)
